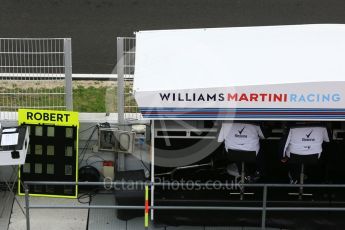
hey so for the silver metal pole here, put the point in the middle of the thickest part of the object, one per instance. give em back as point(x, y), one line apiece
point(210, 208)
point(68, 73)
point(120, 80)
point(242, 181)
point(301, 181)
point(27, 207)
point(184, 184)
point(120, 95)
point(152, 167)
point(264, 205)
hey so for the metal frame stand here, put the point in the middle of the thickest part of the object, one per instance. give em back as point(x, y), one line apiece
point(300, 193)
point(10, 187)
point(241, 187)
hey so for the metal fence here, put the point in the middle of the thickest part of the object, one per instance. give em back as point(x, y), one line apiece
point(35, 73)
point(127, 106)
point(264, 208)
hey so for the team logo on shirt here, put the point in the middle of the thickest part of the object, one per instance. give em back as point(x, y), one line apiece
point(240, 133)
point(308, 137)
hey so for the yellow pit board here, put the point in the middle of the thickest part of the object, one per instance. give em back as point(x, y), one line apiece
point(59, 121)
point(48, 117)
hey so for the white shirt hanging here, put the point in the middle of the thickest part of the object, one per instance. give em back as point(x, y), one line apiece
point(241, 136)
point(305, 140)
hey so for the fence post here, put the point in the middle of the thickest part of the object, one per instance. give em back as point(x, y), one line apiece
point(68, 74)
point(120, 95)
point(120, 80)
point(264, 205)
point(27, 207)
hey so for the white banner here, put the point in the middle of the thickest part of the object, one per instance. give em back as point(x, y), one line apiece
point(323, 100)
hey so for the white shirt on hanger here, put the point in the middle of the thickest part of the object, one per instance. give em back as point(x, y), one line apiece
point(305, 140)
point(241, 136)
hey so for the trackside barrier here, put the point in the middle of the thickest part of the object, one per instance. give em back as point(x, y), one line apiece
point(263, 208)
point(35, 73)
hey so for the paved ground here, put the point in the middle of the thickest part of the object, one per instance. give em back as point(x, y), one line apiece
point(52, 219)
point(77, 219)
point(104, 219)
point(95, 24)
point(6, 201)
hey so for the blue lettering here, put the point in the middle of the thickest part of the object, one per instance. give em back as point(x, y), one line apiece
point(301, 99)
point(325, 98)
point(336, 97)
point(318, 97)
point(315, 97)
point(311, 97)
point(293, 97)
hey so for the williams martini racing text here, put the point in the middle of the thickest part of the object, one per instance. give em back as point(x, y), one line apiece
point(252, 97)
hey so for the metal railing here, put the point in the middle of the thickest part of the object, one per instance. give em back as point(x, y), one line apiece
point(127, 106)
point(263, 208)
point(35, 73)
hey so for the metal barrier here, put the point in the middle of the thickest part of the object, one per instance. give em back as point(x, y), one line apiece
point(35, 73)
point(127, 106)
point(263, 208)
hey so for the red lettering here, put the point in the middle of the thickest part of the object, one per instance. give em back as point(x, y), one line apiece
point(257, 97)
point(243, 97)
point(254, 97)
point(263, 95)
point(232, 97)
point(278, 97)
point(285, 97)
